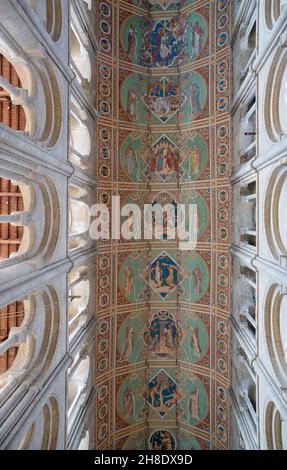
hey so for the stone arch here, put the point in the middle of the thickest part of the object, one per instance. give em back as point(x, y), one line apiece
point(43, 433)
point(53, 106)
point(39, 95)
point(275, 114)
point(54, 19)
point(276, 329)
point(12, 97)
point(13, 202)
point(272, 12)
point(52, 218)
point(41, 202)
point(276, 226)
point(27, 438)
point(19, 87)
point(274, 429)
point(17, 346)
point(36, 339)
point(51, 15)
point(50, 425)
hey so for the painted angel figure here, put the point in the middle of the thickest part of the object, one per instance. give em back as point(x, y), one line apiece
point(197, 280)
point(132, 104)
point(195, 99)
point(129, 287)
point(194, 404)
point(130, 159)
point(158, 273)
point(164, 48)
point(195, 342)
point(132, 43)
point(128, 404)
point(129, 343)
point(195, 160)
point(169, 338)
point(196, 38)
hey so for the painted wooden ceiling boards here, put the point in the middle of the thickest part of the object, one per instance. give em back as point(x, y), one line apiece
point(163, 135)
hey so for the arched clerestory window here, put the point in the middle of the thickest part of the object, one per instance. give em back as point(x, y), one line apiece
point(77, 386)
point(80, 140)
point(11, 318)
point(29, 341)
point(79, 56)
point(79, 218)
point(79, 294)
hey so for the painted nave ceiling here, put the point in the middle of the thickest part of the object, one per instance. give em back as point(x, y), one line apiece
point(162, 345)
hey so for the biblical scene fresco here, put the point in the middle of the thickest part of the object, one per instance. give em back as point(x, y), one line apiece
point(162, 440)
point(132, 283)
point(172, 216)
point(131, 344)
point(199, 218)
point(164, 276)
point(132, 88)
point(164, 42)
point(164, 160)
point(194, 87)
point(195, 147)
point(163, 336)
point(157, 43)
point(195, 337)
point(162, 393)
point(164, 99)
point(137, 399)
point(131, 398)
point(196, 281)
point(194, 405)
point(131, 151)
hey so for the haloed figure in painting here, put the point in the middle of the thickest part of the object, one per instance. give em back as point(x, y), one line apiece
point(195, 343)
point(194, 404)
point(195, 99)
point(132, 104)
point(128, 404)
point(132, 43)
point(130, 159)
point(128, 344)
point(129, 288)
point(196, 38)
